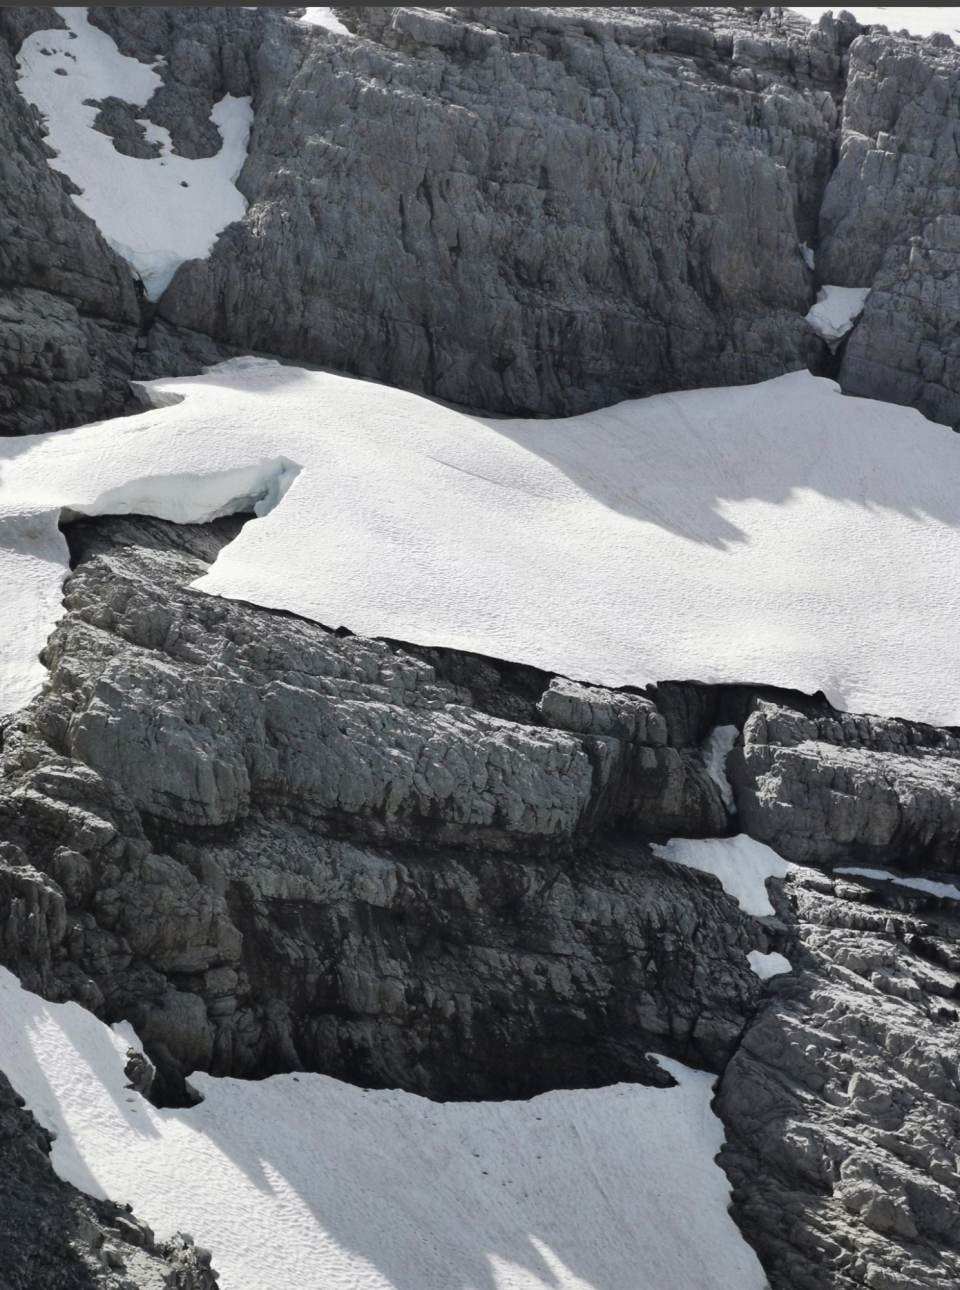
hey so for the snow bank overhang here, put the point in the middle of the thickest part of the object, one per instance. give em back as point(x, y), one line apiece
point(778, 533)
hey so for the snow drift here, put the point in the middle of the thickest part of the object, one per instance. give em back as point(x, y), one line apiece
point(154, 212)
point(918, 20)
point(299, 1180)
point(777, 533)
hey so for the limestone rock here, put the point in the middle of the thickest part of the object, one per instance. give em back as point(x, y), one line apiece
point(889, 222)
point(828, 788)
point(52, 1235)
point(842, 1104)
point(273, 847)
point(528, 210)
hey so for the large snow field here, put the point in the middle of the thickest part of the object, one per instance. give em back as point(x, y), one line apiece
point(304, 1181)
point(919, 20)
point(777, 533)
point(156, 212)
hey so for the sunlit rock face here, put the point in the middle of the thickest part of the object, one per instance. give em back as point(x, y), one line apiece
point(529, 211)
point(376, 823)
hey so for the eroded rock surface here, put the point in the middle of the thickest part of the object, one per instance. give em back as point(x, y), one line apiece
point(842, 1104)
point(824, 788)
point(55, 1237)
point(525, 210)
point(273, 847)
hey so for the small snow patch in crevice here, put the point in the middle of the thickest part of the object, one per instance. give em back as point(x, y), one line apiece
point(944, 890)
point(325, 18)
point(836, 312)
point(715, 748)
point(741, 864)
point(768, 965)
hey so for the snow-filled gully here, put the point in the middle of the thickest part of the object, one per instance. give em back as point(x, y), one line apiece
point(155, 212)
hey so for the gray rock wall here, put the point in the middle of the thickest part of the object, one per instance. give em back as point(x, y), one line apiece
point(526, 210)
point(523, 210)
point(889, 220)
point(272, 847)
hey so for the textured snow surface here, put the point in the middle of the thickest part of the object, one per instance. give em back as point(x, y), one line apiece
point(325, 18)
point(741, 864)
point(303, 1181)
point(768, 965)
point(777, 533)
point(928, 885)
point(156, 212)
point(836, 310)
point(918, 20)
point(716, 746)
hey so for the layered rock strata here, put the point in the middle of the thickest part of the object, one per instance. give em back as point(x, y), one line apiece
point(528, 211)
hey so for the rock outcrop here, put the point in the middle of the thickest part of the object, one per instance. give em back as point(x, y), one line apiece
point(524, 210)
point(55, 1237)
point(889, 221)
point(273, 847)
point(842, 1104)
point(820, 789)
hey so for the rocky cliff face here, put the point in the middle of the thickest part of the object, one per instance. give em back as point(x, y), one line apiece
point(54, 1236)
point(531, 211)
point(272, 847)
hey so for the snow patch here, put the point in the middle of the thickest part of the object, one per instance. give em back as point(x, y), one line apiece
point(327, 19)
point(196, 499)
point(35, 560)
point(742, 865)
point(716, 746)
point(919, 21)
point(778, 533)
point(946, 890)
point(299, 1180)
point(158, 212)
point(768, 965)
point(836, 311)
point(809, 259)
